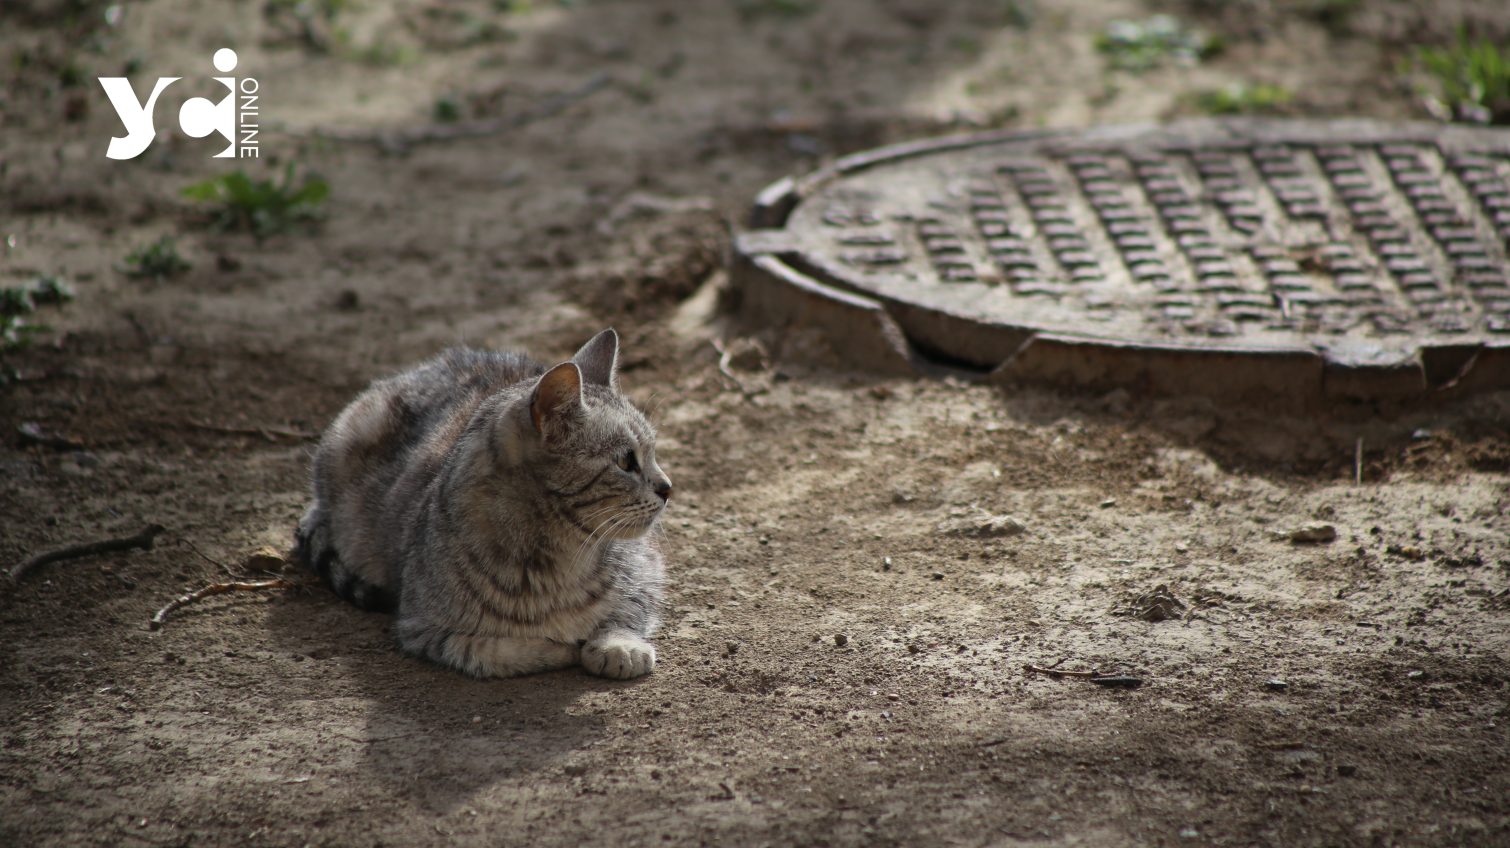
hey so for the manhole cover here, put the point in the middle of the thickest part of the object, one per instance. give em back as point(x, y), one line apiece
point(1312, 258)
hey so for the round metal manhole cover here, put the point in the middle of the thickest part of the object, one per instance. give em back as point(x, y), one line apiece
point(1328, 258)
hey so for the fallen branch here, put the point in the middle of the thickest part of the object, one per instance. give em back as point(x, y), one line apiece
point(399, 141)
point(218, 589)
point(142, 540)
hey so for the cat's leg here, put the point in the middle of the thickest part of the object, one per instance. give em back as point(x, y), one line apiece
point(620, 647)
point(619, 653)
point(485, 656)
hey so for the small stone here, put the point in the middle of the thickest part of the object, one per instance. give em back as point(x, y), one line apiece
point(937, 575)
point(765, 540)
point(1276, 685)
point(1347, 770)
point(1109, 502)
point(1314, 534)
point(731, 647)
point(477, 719)
point(348, 300)
point(747, 355)
point(1416, 675)
point(981, 524)
point(914, 648)
point(840, 639)
point(886, 564)
point(265, 558)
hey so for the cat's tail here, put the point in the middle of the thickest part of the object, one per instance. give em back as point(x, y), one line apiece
point(314, 548)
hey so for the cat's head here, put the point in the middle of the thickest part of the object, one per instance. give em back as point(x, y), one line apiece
point(596, 451)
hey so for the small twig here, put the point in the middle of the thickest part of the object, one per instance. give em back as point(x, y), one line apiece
point(399, 141)
point(142, 540)
point(218, 589)
point(372, 740)
point(272, 434)
point(1055, 671)
point(207, 558)
point(725, 358)
point(1358, 462)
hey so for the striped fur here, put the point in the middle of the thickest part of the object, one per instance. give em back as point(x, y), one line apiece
point(503, 511)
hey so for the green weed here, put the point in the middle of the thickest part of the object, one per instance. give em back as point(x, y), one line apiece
point(17, 303)
point(447, 109)
point(751, 9)
point(1243, 99)
point(1471, 79)
point(156, 261)
point(1141, 45)
point(262, 207)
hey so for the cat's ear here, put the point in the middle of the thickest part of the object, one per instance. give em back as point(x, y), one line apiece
point(599, 359)
point(558, 392)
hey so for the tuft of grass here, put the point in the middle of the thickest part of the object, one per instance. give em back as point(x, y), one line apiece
point(262, 207)
point(1334, 15)
point(752, 9)
point(1243, 99)
point(1141, 45)
point(17, 303)
point(447, 109)
point(1471, 79)
point(156, 261)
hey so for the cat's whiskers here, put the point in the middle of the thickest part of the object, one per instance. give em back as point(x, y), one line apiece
point(586, 544)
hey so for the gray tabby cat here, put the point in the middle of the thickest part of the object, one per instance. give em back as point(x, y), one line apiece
point(503, 510)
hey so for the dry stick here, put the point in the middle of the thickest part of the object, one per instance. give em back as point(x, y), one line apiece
point(141, 540)
point(218, 589)
point(1055, 671)
point(272, 434)
point(399, 141)
point(185, 543)
point(1358, 462)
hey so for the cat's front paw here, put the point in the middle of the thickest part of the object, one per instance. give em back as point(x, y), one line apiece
point(619, 656)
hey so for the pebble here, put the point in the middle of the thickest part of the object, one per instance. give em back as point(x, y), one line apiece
point(477, 719)
point(1276, 685)
point(1315, 533)
point(731, 647)
point(840, 639)
point(1347, 770)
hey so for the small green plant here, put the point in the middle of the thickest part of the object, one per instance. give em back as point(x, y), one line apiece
point(1471, 79)
point(751, 9)
point(19, 302)
point(1243, 99)
point(156, 261)
point(1332, 14)
point(262, 207)
point(447, 109)
point(1141, 45)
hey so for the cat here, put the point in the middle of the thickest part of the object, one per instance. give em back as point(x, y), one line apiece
point(501, 509)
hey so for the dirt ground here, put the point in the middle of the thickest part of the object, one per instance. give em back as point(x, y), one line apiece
point(861, 567)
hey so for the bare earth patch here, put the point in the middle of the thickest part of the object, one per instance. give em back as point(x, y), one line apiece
point(861, 568)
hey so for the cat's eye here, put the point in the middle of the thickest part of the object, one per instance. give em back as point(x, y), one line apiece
point(629, 461)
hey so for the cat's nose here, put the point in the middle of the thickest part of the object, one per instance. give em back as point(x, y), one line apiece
point(663, 488)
